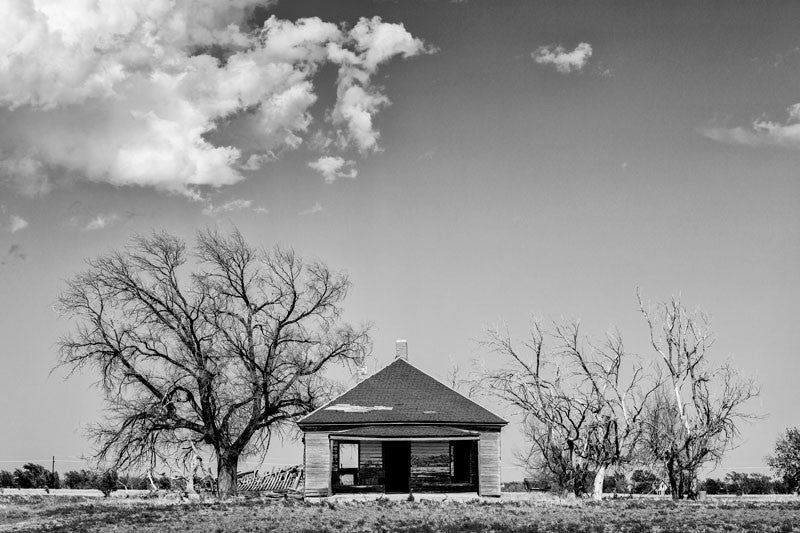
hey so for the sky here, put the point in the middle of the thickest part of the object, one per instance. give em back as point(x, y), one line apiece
point(465, 162)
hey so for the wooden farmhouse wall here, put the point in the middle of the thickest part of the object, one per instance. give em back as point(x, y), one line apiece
point(317, 463)
point(370, 464)
point(489, 463)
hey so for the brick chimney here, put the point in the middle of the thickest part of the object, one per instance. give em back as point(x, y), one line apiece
point(401, 349)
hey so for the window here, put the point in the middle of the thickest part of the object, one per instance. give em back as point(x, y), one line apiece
point(348, 455)
point(348, 463)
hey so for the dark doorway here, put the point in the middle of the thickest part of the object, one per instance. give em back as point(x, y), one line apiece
point(397, 463)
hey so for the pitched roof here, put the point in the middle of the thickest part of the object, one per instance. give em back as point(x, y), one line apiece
point(404, 431)
point(401, 393)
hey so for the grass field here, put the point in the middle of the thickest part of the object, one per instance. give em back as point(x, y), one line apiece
point(73, 513)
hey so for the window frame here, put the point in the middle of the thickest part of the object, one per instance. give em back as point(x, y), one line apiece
point(349, 470)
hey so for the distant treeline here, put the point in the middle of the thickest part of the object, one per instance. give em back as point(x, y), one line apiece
point(35, 476)
point(647, 482)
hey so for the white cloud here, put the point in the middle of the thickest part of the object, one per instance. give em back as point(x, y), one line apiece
point(17, 224)
point(256, 161)
point(358, 101)
point(333, 167)
point(316, 208)
point(762, 132)
point(117, 91)
point(102, 221)
point(564, 62)
point(10, 222)
point(231, 206)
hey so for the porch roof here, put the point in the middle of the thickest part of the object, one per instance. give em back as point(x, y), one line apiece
point(405, 432)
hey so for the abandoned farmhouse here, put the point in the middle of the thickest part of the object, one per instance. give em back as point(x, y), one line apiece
point(401, 430)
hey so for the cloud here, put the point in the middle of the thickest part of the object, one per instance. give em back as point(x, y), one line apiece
point(231, 206)
point(314, 209)
point(564, 62)
point(102, 221)
point(17, 224)
point(333, 167)
point(10, 222)
point(26, 174)
point(761, 132)
point(358, 101)
point(256, 161)
point(15, 254)
point(128, 93)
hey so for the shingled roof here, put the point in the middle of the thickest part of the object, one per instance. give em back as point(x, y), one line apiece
point(401, 393)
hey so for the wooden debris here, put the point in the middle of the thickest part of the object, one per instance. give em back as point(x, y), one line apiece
point(283, 481)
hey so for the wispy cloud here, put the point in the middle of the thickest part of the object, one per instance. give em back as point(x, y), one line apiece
point(761, 132)
point(314, 209)
point(121, 92)
point(15, 254)
point(231, 206)
point(333, 167)
point(10, 222)
point(256, 161)
point(102, 221)
point(18, 223)
point(564, 61)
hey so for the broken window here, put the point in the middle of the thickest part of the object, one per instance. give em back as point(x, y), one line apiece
point(348, 455)
point(348, 463)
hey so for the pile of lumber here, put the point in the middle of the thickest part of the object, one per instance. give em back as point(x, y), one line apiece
point(285, 480)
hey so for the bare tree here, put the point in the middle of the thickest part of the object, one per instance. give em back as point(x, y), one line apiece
point(583, 404)
point(694, 418)
point(221, 346)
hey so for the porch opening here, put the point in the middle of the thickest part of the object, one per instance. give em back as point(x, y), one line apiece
point(368, 464)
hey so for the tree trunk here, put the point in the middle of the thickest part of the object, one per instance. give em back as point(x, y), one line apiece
point(227, 467)
point(674, 488)
point(599, 477)
point(690, 485)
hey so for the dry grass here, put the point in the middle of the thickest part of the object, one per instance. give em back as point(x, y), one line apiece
point(50, 514)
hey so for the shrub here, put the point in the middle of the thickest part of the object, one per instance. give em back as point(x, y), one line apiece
point(33, 476)
point(6, 478)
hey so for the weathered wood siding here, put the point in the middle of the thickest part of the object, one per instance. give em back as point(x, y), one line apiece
point(430, 465)
point(489, 463)
point(318, 463)
point(370, 464)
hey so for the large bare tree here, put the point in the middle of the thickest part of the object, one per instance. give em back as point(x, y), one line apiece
point(220, 345)
point(694, 417)
point(583, 404)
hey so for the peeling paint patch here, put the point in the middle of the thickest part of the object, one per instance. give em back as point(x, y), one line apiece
point(347, 408)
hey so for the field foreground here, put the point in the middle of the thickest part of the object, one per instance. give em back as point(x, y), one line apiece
point(37, 513)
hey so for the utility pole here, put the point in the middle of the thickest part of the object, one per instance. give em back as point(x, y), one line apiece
point(53, 472)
